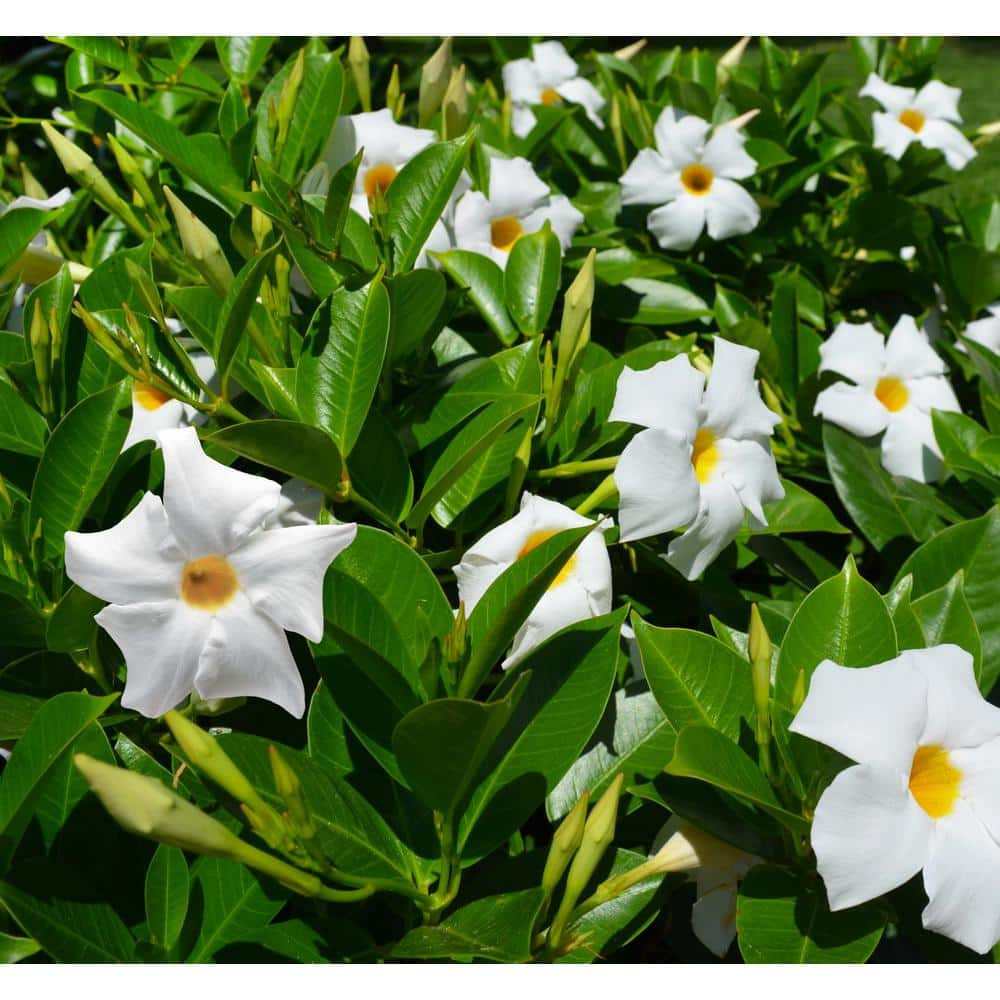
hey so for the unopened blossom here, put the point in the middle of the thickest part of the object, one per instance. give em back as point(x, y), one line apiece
point(200, 592)
point(897, 382)
point(704, 458)
point(581, 590)
point(923, 116)
point(519, 202)
point(986, 331)
point(550, 76)
point(924, 794)
point(693, 179)
point(717, 869)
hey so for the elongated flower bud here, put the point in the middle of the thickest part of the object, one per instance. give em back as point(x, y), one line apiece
point(434, 79)
point(201, 245)
point(760, 671)
point(689, 848)
point(565, 842)
point(40, 340)
point(393, 89)
point(357, 60)
point(455, 107)
point(286, 781)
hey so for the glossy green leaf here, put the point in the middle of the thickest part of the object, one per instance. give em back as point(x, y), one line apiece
point(799, 511)
point(909, 631)
point(652, 302)
point(380, 468)
point(237, 309)
point(337, 206)
point(17, 229)
point(167, 892)
point(16, 949)
point(483, 281)
point(243, 56)
point(531, 280)
point(16, 712)
point(945, 616)
point(416, 298)
point(22, 428)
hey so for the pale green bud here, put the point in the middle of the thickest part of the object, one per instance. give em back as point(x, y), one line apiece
point(565, 842)
point(40, 340)
point(287, 783)
point(434, 79)
point(288, 98)
point(393, 89)
point(455, 107)
point(201, 245)
point(357, 60)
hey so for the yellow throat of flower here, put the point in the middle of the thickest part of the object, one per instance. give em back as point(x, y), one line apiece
point(378, 179)
point(697, 179)
point(148, 396)
point(934, 780)
point(534, 540)
point(704, 454)
point(912, 119)
point(892, 394)
point(505, 232)
point(550, 96)
point(209, 583)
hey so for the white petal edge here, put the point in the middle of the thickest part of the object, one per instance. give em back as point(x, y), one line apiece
point(852, 407)
point(958, 151)
point(856, 350)
point(666, 396)
point(909, 447)
point(720, 515)
point(678, 225)
point(650, 180)
point(730, 210)
point(732, 406)
point(894, 99)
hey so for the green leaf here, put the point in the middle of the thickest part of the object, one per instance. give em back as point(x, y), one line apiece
point(976, 275)
point(706, 754)
point(342, 360)
point(483, 281)
point(168, 889)
point(416, 298)
point(798, 511)
point(909, 631)
point(293, 448)
point(53, 730)
point(497, 928)
point(531, 279)
point(71, 625)
point(380, 468)
point(237, 308)
point(314, 115)
point(651, 302)
point(973, 547)
point(695, 678)
point(337, 207)
point(17, 229)
point(22, 428)
point(77, 460)
point(882, 507)
point(418, 195)
point(204, 158)
point(243, 56)
point(16, 712)
point(945, 616)
point(16, 949)
point(567, 691)
point(781, 918)
point(959, 437)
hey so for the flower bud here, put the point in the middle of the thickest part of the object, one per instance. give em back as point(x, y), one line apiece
point(565, 842)
point(455, 107)
point(288, 98)
point(287, 783)
point(731, 58)
point(799, 691)
point(40, 341)
point(357, 60)
point(759, 644)
point(629, 51)
point(201, 245)
point(434, 79)
point(455, 640)
point(393, 90)
point(689, 848)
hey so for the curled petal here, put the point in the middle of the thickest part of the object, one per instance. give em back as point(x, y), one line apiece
point(683, 142)
point(730, 210)
point(559, 606)
point(564, 217)
point(894, 99)
point(553, 63)
point(909, 447)
point(908, 352)
point(856, 350)
point(938, 100)
point(650, 180)
point(473, 215)
point(869, 835)
point(985, 332)
point(958, 151)
point(732, 406)
point(713, 916)
point(678, 225)
point(515, 188)
point(584, 93)
point(720, 515)
point(146, 424)
point(891, 135)
point(520, 81)
point(853, 408)
point(666, 396)
point(725, 156)
point(522, 120)
point(751, 471)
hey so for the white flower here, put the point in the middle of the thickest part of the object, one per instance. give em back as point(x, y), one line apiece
point(581, 590)
point(200, 593)
point(718, 869)
point(519, 203)
point(299, 503)
point(924, 794)
point(897, 383)
point(154, 411)
point(548, 77)
point(922, 116)
point(693, 180)
point(986, 331)
point(704, 458)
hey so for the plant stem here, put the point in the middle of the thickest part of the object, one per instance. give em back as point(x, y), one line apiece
point(570, 469)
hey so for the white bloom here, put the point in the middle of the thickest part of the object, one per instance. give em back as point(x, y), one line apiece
point(704, 458)
point(693, 180)
point(299, 503)
point(924, 794)
point(200, 593)
point(548, 77)
point(718, 869)
point(923, 116)
point(154, 411)
point(986, 331)
point(581, 590)
point(519, 203)
point(897, 383)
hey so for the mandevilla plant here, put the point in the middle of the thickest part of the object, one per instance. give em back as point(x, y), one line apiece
point(497, 501)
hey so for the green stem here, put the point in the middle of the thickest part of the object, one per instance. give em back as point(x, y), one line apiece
point(605, 491)
point(377, 515)
point(570, 469)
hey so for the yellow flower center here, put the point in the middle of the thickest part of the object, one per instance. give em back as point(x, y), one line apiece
point(534, 540)
point(704, 454)
point(892, 394)
point(209, 583)
point(378, 178)
point(912, 119)
point(934, 780)
point(549, 96)
point(697, 179)
point(148, 396)
point(505, 232)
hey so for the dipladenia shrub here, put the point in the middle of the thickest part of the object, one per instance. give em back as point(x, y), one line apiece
point(510, 500)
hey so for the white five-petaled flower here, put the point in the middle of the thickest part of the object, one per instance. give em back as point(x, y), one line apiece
point(693, 180)
point(704, 458)
point(519, 203)
point(897, 383)
point(717, 869)
point(924, 794)
point(985, 331)
point(548, 77)
point(200, 592)
point(581, 590)
point(923, 116)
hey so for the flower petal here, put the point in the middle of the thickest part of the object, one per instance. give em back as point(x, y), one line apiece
point(678, 225)
point(384, 139)
point(725, 156)
point(894, 99)
point(138, 560)
point(666, 396)
point(584, 93)
point(657, 488)
point(869, 835)
point(985, 332)
point(958, 151)
point(563, 215)
point(60, 198)
point(520, 81)
point(281, 571)
point(682, 141)
point(938, 100)
point(146, 424)
point(732, 406)
point(720, 515)
point(891, 135)
point(909, 447)
point(161, 643)
point(962, 880)
point(874, 715)
point(473, 214)
point(979, 787)
point(751, 471)
point(856, 350)
point(522, 120)
point(299, 503)
point(559, 606)
point(650, 180)
point(515, 188)
point(933, 393)
point(211, 508)
point(247, 655)
point(730, 210)
point(853, 408)
point(908, 352)
point(553, 63)
point(713, 916)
